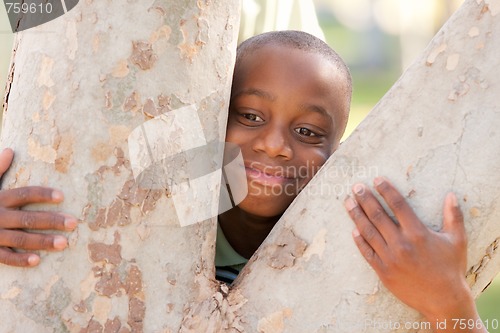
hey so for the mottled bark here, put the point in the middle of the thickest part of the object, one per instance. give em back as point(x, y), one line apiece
point(79, 85)
point(130, 267)
point(436, 130)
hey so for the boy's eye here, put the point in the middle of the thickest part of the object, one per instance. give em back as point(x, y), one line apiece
point(305, 132)
point(252, 117)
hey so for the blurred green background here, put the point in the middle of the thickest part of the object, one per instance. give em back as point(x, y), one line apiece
point(377, 38)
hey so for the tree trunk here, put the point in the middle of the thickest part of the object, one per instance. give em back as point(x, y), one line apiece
point(80, 86)
point(436, 130)
point(130, 265)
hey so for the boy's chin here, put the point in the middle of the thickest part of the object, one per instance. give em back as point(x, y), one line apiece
point(266, 207)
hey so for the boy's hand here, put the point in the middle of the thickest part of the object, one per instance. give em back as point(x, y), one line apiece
point(13, 220)
point(423, 268)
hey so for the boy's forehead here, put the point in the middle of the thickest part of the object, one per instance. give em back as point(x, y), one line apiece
point(269, 61)
point(282, 52)
point(299, 63)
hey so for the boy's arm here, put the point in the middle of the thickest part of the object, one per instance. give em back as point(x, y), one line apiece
point(425, 269)
point(13, 221)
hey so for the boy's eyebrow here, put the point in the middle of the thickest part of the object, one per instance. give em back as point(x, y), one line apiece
point(255, 92)
point(317, 109)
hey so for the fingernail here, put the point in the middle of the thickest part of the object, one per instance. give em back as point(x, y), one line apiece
point(349, 203)
point(33, 260)
point(60, 242)
point(355, 232)
point(57, 196)
point(358, 189)
point(70, 223)
point(453, 199)
point(377, 181)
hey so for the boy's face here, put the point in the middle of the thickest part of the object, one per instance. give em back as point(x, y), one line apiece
point(287, 113)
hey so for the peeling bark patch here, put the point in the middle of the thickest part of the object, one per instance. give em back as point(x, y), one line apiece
point(121, 69)
point(80, 307)
point(452, 61)
point(48, 100)
point(101, 308)
point(285, 250)
point(109, 283)
point(473, 32)
point(118, 134)
point(459, 90)
point(71, 35)
point(51, 300)
point(493, 7)
point(133, 283)
point(96, 42)
point(63, 145)
point(136, 314)
point(474, 271)
point(118, 212)
point(132, 102)
point(38, 152)
point(104, 252)
point(474, 212)
point(44, 78)
point(137, 307)
point(219, 313)
point(164, 101)
point(149, 109)
point(472, 76)
point(163, 33)
point(112, 326)
point(317, 247)
point(11, 293)
point(192, 43)
point(275, 322)
point(143, 55)
point(101, 151)
point(108, 100)
point(93, 327)
point(434, 54)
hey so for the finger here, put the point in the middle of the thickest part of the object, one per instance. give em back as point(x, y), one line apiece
point(18, 239)
point(453, 219)
point(376, 213)
point(367, 251)
point(19, 197)
point(367, 230)
point(11, 258)
point(6, 157)
point(15, 219)
point(397, 203)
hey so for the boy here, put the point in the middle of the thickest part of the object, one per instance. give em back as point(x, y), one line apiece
point(289, 106)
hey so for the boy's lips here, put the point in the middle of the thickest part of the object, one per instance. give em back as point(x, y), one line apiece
point(267, 175)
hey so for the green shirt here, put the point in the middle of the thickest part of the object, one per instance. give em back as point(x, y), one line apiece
point(225, 255)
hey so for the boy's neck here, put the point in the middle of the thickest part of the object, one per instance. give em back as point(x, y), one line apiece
point(245, 232)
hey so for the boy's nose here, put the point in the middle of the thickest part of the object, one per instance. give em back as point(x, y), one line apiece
point(274, 142)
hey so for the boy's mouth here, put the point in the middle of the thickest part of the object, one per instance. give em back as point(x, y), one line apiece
point(268, 175)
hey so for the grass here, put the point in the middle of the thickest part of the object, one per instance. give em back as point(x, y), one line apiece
point(488, 305)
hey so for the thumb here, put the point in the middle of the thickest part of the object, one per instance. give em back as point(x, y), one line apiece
point(6, 157)
point(453, 219)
